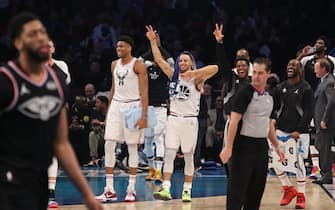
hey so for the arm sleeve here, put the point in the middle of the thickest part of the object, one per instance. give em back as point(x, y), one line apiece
point(6, 92)
point(222, 60)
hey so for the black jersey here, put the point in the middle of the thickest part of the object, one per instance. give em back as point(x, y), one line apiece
point(158, 86)
point(158, 81)
point(295, 105)
point(29, 116)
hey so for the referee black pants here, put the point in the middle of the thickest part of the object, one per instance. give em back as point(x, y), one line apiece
point(247, 173)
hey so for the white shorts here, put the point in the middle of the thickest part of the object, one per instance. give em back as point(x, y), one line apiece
point(181, 131)
point(115, 129)
point(160, 127)
point(158, 132)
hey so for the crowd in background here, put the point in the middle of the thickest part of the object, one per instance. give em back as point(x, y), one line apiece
point(85, 35)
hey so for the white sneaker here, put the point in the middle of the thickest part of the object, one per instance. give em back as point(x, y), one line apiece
point(130, 197)
point(52, 203)
point(106, 196)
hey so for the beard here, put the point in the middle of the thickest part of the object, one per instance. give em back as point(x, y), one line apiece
point(36, 56)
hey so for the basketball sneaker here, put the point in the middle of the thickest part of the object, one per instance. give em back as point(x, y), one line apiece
point(106, 196)
point(162, 194)
point(186, 197)
point(151, 174)
point(52, 203)
point(130, 197)
point(289, 193)
point(315, 174)
point(301, 201)
point(158, 177)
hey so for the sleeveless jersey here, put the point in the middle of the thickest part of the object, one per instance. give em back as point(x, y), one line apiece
point(186, 99)
point(126, 84)
point(28, 125)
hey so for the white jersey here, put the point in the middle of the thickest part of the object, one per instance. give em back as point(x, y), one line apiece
point(186, 100)
point(63, 66)
point(126, 84)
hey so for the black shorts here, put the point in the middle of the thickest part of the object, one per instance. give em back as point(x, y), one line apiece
point(24, 191)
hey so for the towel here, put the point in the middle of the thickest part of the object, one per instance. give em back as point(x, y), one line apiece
point(131, 116)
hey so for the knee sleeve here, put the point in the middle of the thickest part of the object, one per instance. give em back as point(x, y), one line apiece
point(189, 164)
point(159, 142)
point(301, 170)
point(170, 155)
point(133, 155)
point(110, 154)
point(52, 170)
point(148, 146)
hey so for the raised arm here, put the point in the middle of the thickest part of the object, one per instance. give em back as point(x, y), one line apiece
point(225, 70)
point(166, 68)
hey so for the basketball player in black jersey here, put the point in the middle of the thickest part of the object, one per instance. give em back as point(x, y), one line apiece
point(33, 125)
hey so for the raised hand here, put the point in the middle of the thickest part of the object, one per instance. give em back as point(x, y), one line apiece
point(218, 33)
point(151, 33)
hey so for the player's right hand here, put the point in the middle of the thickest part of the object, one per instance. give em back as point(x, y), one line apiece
point(151, 33)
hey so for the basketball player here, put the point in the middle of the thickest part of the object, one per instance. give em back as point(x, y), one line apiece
point(182, 124)
point(129, 90)
point(158, 97)
point(32, 99)
point(295, 102)
point(246, 143)
point(62, 70)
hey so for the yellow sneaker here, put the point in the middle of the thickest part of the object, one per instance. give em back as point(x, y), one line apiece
point(151, 174)
point(162, 194)
point(158, 177)
point(186, 197)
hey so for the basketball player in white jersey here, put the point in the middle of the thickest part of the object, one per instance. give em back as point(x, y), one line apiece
point(182, 124)
point(62, 70)
point(129, 90)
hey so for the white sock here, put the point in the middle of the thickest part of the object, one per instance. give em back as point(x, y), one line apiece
point(52, 184)
point(284, 179)
point(187, 185)
point(159, 165)
point(110, 182)
point(301, 186)
point(131, 183)
point(166, 185)
point(315, 156)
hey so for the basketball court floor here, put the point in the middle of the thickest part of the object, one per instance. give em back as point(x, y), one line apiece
point(208, 192)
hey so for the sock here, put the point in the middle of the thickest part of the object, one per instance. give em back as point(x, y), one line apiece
point(284, 179)
point(159, 165)
point(131, 183)
point(301, 186)
point(187, 185)
point(110, 182)
point(315, 156)
point(52, 184)
point(166, 185)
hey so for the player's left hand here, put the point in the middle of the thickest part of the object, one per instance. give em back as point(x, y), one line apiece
point(281, 154)
point(142, 123)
